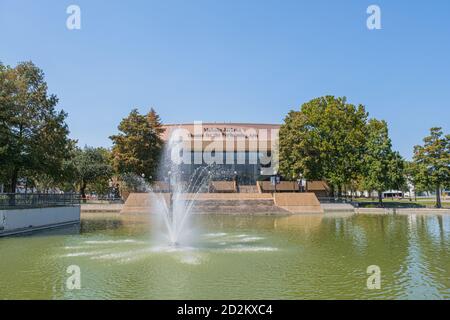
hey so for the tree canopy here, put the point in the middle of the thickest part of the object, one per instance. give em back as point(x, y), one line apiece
point(91, 170)
point(383, 168)
point(33, 134)
point(431, 162)
point(330, 139)
point(138, 146)
point(324, 140)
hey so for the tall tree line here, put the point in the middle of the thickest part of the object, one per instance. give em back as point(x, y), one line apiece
point(333, 140)
point(430, 169)
point(34, 138)
point(36, 151)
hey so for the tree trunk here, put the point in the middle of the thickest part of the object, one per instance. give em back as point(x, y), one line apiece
point(83, 192)
point(380, 198)
point(12, 188)
point(438, 197)
point(13, 181)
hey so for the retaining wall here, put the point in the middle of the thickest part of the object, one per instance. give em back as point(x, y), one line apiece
point(26, 220)
point(233, 203)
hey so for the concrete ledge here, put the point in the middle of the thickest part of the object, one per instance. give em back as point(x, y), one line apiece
point(238, 207)
point(298, 202)
point(405, 211)
point(27, 220)
point(143, 202)
point(337, 207)
point(34, 229)
point(116, 207)
point(223, 186)
point(232, 203)
point(227, 196)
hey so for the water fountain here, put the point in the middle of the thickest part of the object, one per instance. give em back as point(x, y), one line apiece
point(175, 207)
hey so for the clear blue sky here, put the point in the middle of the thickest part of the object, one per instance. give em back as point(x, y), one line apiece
point(235, 60)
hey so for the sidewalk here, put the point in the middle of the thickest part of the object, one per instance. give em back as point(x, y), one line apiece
point(114, 207)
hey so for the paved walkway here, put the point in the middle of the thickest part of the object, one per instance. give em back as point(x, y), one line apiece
point(337, 207)
point(114, 207)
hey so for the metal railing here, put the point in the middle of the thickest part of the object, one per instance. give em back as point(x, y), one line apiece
point(38, 200)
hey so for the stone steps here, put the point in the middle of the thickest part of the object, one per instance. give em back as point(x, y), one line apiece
point(248, 189)
point(237, 207)
point(233, 203)
point(298, 202)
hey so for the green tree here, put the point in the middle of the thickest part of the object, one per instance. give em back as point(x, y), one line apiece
point(432, 162)
point(415, 177)
point(324, 140)
point(33, 134)
point(138, 147)
point(383, 168)
point(92, 170)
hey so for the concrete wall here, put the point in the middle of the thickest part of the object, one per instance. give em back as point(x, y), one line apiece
point(24, 220)
point(233, 203)
point(298, 202)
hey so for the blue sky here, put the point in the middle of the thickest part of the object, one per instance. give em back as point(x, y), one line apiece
point(235, 60)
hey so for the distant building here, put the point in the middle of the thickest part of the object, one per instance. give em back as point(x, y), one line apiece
point(241, 150)
point(393, 194)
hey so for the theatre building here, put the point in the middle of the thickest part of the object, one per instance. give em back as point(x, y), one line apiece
point(232, 150)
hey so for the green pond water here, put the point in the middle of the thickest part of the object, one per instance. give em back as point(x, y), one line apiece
point(234, 257)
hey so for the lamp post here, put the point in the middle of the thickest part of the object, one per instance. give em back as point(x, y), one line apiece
point(276, 180)
point(142, 185)
point(302, 183)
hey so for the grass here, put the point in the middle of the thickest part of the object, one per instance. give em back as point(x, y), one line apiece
point(400, 203)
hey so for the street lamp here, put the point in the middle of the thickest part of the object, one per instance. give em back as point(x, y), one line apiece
point(275, 180)
point(302, 183)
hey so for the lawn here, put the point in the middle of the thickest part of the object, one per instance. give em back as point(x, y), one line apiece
point(401, 203)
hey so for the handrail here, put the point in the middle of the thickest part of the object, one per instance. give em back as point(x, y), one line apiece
point(38, 200)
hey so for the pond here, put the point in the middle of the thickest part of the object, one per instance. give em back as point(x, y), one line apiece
point(234, 257)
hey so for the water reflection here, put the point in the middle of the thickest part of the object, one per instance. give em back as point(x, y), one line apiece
point(235, 257)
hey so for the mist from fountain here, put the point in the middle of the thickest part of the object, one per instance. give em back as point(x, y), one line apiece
point(174, 208)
